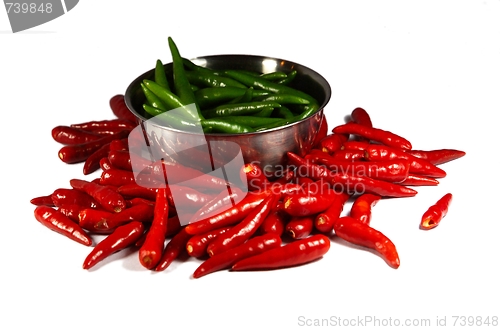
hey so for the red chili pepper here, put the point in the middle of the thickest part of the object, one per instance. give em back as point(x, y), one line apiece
point(77, 153)
point(355, 145)
point(332, 142)
point(418, 180)
point(349, 155)
point(64, 196)
point(433, 216)
point(324, 221)
point(300, 227)
point(140, 212)
point(356, 232)
point(89, 219)
point(197, 245)
point(243, 230)
point(105, 165)
point(97, 125)
point(133, 189)
point(292, 254)
point(274, 223)
point(119, 108)
point(121, 238)
point(43, 200)
point(361, 209)
point(417, 165)
point(305, 204)
point(374, 134)
point(307, 168)
point(173, 249)
point(116, 177)
point(361, 117)
point(120, 159)
point(226, 259)
point(439, 156)
point(322, 131)
point(363, 184)
point(93, 162)
point(58, 222)
point(107, 197)
point(230, 216)
point(253, 175)
point(71, 211)
point(152, 248)
point(222, 201)
point(72, 135)
point(119, 145)
point(187, 199)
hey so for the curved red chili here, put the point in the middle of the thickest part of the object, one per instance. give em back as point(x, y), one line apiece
point(296, 253)
point(42, 200)
point(151, 250)
point(226, 259)
point(438, 156)
point(197, 245)
point(173, 249)
point(243, 230)
point(275, 222)
point(361, 116)
point(58, 222)
point(107, 197)
point(363, 184)
point(93, 162)
point(358, 233)
point(375, 134)
point(304, 204)
point(73, 135)
point(324, 221)
point(120, 109)
point(361, 208)
point(300, 227)
point(121, 238)
point(433, 216)
point(64, 196)
point(253, 175)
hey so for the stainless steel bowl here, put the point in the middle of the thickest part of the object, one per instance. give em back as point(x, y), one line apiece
point(266, 148)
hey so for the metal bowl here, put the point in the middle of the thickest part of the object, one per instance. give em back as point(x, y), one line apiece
point(266, 148)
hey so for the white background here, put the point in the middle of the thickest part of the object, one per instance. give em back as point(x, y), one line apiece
point(429, 70)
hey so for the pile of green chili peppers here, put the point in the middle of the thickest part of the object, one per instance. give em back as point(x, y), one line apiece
point(227, 101)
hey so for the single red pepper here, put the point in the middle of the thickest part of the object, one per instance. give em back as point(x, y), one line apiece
point(226, 259)
point(89, 218)
point(332, 142)
point(243, 230)
point(42, 200)
point(121, 238)
point(72, 135)
point(107, 197)
point(433, 216)
point(222, 201)
point(349, 155)
point(92, 163)
point(104, 164)
point(120, 159)
point(197, 245)
point(305, 204)
point(438, 156)
point(361, 208)
point(94, 125)
point(374, 134)
point(300, 227)
point(119, 145)
point(363, 184)
point(120, 109)
point(292, 254)
point(356, 232)
point(152, 248)
point(417, 165)
point(187, 199)
point(173, 249)
point(275, 222)
point(360, 116)
point(64, 196)
point(116, 177)
point(355, 145)
point(418, 180)
point(58, 222)
point(131, 190)
point(229, 216)
point(324, 221)
point(71, 211)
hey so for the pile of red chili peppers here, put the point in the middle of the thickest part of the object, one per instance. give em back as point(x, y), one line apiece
point(281, 223)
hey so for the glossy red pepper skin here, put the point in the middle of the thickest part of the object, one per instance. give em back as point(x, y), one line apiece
point(92, 163)
point(363, 184)
point(438, 156)
point(132, 190)
point(116, 177)
point(243, 230)
point(120, 109)
point(332, 142)
point(374, 134)
point(152, 248)
point(324, 221)
point(58, 222)
point(104, 164)
point(120, 159)
point(77, 153)
point(355, 145)
point(306, 204)
point(64, 196)
point(361, 208)
point(119, 145)
point(356, 232)
point(230, 216)
point(360, 116)
point(173, 249)
point(89, 219)
point(300, 227)
point(140, 212)
point(417, 165)
point(71, 135)
point(222, 201)
point(71, 211)
point(197, 245)
point(253, 175)
point(275, 222)
point(295, 253)
point(226, 259)
point(97, 125)
point(42, 200)
point(418, 180)
point(121, 238)
point(108, 198)
point(349, 155)
point(433, 216)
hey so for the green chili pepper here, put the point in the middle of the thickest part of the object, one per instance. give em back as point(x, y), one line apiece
point(286, 81)
point(219, 126)
point(258, 82)
point(152, 99)
point(284, 112)
point(239, 109)
point(171, 119)
point(266, 112)
point(285, 99)
point(251, 121)
point(169, 99)
point(247, 97)
point(276, 75)
point(160, 75)
point(209, 79)
point(308, 111)
point(181, 82)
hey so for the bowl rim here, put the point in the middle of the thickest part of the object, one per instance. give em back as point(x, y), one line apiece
point(149, 73)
